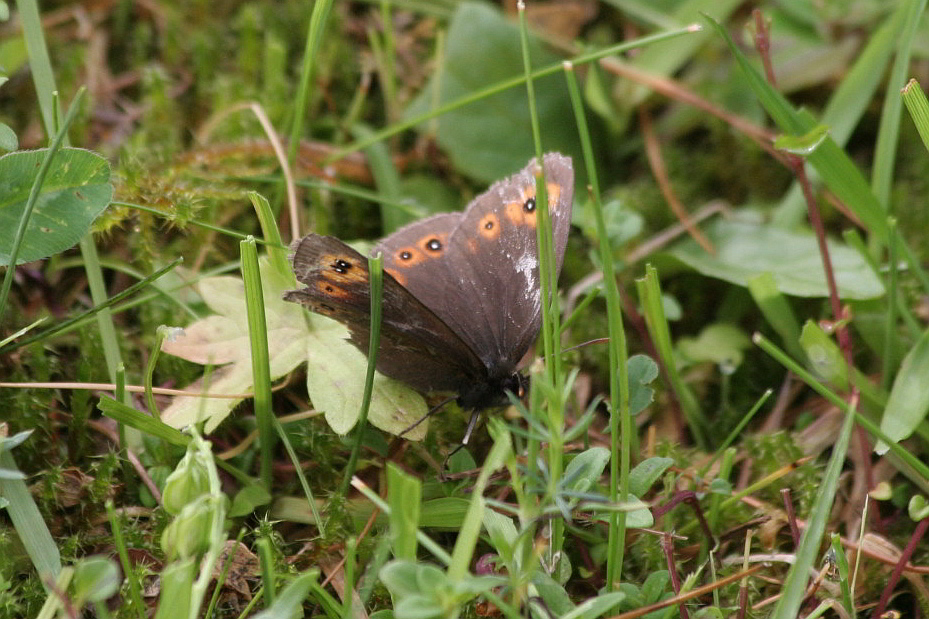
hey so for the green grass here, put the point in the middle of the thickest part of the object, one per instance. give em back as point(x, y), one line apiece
point(691, 399)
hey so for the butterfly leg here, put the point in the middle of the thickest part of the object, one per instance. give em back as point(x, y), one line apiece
point(475, 414)
point(472, 422)
point(431, 412)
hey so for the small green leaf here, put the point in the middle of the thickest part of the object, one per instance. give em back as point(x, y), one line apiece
point(656, 585)
point(553, 594)
point(418, 606)
point(642, 371)
point(246, 500)
point(503, 536)
point(8, 140)
point(908, 403)
point(95, 579)
point(825, 357)
point(804, 144)
point(721, 486)
point(8, 443)
point(719, 343)
point(882, 491)
point(646, 473)
point(622, 224)
point(400, 577)
point(404, 495)
point(918, 507)
point(586, 468)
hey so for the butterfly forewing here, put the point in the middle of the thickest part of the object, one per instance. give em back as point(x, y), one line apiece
point(416, 256)
point(417, 347)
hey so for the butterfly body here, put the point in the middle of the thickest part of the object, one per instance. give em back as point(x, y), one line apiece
point(461, 299)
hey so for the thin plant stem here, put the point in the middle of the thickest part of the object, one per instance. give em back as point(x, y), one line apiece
point(620, 421)
point(376, 281)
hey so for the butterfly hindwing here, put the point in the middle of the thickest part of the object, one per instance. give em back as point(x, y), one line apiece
point(478, 270)
point(494, 263)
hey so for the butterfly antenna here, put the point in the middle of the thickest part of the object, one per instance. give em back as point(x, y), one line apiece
point(599, 340)
point(432, 411)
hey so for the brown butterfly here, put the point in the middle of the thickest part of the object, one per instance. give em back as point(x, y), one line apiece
point(462, 301)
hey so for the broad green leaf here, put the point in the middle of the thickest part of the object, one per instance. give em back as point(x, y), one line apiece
point(402, 577)
point(443, 513)
point(13, 52)
point(908, 403)
point(622, 224)
point(503, 537)
point(746, 248)
point(642, 371)
point(335, 370)
point(492, 137)
point(75, 191)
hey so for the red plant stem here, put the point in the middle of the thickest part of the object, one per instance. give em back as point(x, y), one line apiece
point(763, 45)
point(689, 497)
point(762, 41)
point(667, 544)
point(791, 516)
point(918, 534)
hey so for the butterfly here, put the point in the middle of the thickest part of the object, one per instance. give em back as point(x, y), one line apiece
point(462, 300)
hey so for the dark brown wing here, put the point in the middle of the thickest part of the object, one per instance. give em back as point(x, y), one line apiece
point(486, 284)
point(478, 270)
point(416, 346)
point(416, 256)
